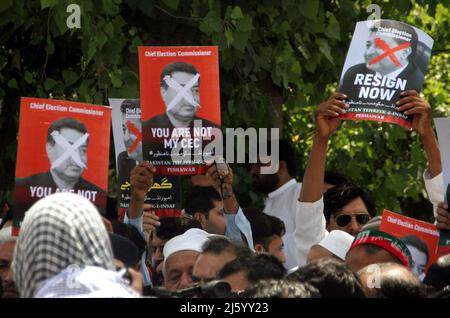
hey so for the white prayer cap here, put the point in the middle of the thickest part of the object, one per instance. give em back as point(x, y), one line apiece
point(191, 240)
point(337, 242)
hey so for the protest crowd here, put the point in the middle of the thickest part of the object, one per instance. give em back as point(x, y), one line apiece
point(322, 237)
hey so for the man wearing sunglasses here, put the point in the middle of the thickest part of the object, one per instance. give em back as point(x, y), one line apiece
point(348, 207)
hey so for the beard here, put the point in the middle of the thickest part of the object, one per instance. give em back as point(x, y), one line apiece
point(266, 183)
point(9, 290)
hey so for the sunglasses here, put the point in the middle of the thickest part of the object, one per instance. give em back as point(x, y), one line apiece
point(344, 219)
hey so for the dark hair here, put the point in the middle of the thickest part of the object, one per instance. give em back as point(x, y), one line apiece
point(339, 196)
point(219, 244)
point(263, 226)
point(201, 199)
point(129, 104)
point(7, 214)
point(438, 274)
point(256, 266)
point(177, 67)
point(399, 285)
point(65, 122)
point(372, 249)
point(281, 289)
point(111, 212)
point(401, 27)
point(331, 277)
point(131, 233)
point(417, 242)
point(334, 178)
point(288, 155)
point(173, 226)
point(124, 250)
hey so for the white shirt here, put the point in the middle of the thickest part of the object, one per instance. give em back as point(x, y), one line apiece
point(283, 203)
point(435, 189)
point(310, 228)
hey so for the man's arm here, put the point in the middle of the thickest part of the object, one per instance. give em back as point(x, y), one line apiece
point(141, 180)
point(443, 217)
point(235, 219)
point(309, 219)
point(327, 122)
point(411, 103)
point(224, 187)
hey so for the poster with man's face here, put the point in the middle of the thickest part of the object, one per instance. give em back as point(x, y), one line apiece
point(63, 147)
point(180, 102)
point(165, 194)
point(420, 237)
point(385, 58)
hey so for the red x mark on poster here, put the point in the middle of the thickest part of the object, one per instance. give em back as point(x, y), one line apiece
point(132, 128)
point(388, 51)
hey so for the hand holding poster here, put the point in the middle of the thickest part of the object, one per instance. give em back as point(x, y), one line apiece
point(180, 106)
point(420, 237)
point(385, 58)
point(63, 147)
point(443, 132)
point(165, 194)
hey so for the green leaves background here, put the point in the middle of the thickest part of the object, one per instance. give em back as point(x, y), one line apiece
point(278, 60)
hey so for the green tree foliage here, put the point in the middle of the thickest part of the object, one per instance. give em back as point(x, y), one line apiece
point(278, 59)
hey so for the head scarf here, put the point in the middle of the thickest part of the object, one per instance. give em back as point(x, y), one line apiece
point(59, 230)
point(86, 282)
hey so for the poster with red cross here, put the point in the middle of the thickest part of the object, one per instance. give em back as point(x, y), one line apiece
point(165, 193)
point(180, 102)
point(63, 147)
point(420, 237)
point(385, 58)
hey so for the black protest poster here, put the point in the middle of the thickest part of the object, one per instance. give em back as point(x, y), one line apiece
point(165, 194)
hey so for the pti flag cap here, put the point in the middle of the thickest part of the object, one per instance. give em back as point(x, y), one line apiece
point(386, 241)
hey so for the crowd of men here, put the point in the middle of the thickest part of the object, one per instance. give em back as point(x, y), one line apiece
point(318, 238)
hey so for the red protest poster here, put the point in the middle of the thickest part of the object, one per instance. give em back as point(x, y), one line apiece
point(180, 102)
point(385, 58)
point(420, 237)
point(63, 147)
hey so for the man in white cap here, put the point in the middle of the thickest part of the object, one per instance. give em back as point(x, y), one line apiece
point(180, 254)
point(7, 245)
point(336, 244)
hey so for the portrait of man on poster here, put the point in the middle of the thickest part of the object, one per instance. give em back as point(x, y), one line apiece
point(180, 92)
point(66, 149)
point(390, 50)
point(131, 128)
